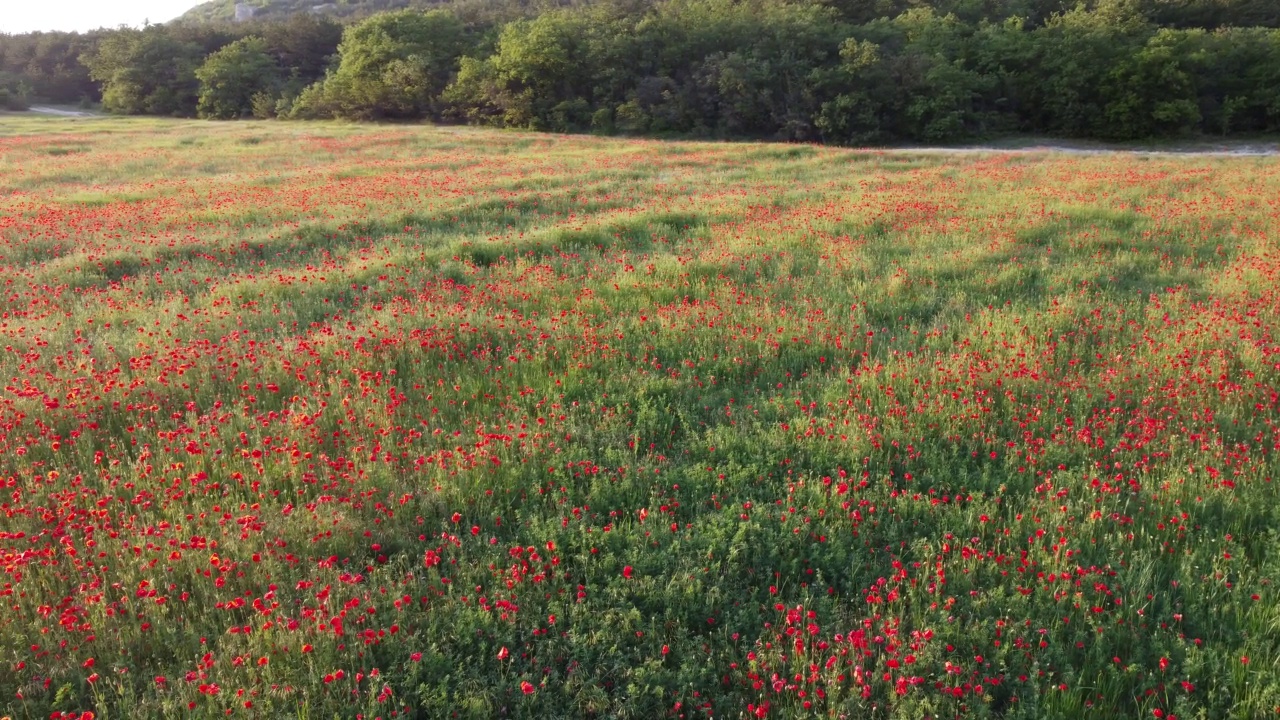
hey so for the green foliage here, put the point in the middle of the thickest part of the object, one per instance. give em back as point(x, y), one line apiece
point(11, 100)
point(47, 63)
point(215, 11)
point(303, 44)
point(233, 79)
point(707, 67)
point(838, 71)
point(14, 92)
point(146, 71)
point(1153, 92)
point(1072, 56)
point(392, 65)
point(1174, 13)
point(1238, 80)
point(910, 77)
point(540, 76)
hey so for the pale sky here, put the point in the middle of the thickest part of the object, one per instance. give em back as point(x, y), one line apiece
point(19, 16)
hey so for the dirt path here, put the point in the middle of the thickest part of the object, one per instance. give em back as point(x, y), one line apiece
point(45, 110)
point(1199, 150)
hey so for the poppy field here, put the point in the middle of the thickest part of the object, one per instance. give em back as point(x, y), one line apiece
point(406, 422)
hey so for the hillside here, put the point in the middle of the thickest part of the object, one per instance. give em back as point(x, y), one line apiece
point(222, 10)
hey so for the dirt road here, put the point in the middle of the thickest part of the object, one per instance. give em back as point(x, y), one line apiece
point(45, 110)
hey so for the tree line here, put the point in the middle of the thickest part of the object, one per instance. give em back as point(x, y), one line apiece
point(841, 71)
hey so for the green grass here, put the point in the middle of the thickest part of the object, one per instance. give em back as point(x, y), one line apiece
point(727, 429)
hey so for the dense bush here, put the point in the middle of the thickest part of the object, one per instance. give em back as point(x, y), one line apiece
point(9, 100)
point(146, 71)
point(233, 77)
point(13, 92)
point(393, 65)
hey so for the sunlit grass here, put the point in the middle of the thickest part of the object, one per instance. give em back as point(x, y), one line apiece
point(877, 434)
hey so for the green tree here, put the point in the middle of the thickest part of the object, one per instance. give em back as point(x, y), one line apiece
point(1152, 92)
point(1238, 73)
point(855, 113)
point(231, 77)
point(540, 71)
point(1065, 80)
point(48, 62)
point(13, 92)
point(855, 71)
point(146, 71)
point(303, 45)
point(393, 65)
point(911, 78)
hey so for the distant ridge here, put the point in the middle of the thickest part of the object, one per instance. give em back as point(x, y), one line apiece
point(225, 10)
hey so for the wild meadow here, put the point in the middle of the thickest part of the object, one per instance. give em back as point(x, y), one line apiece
point(388, 422)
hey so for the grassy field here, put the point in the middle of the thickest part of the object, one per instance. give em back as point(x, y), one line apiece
point(322, 420)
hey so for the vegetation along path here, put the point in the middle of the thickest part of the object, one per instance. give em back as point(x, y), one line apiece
point(318, 419)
